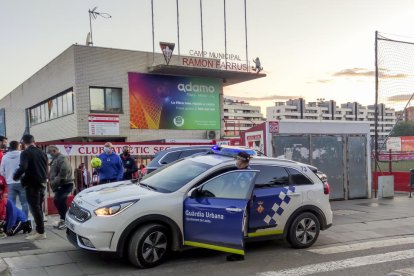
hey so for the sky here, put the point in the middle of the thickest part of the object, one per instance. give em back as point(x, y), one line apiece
point(309, 48)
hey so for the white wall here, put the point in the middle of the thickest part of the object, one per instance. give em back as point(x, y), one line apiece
point(50, 80)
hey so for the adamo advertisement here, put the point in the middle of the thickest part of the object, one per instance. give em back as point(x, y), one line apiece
point(168, 102)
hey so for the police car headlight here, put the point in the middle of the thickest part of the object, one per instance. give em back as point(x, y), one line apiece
point(114, 209)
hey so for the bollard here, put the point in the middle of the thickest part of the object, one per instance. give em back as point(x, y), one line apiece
point(411, 184)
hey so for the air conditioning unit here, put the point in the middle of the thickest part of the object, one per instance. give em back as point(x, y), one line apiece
point(211, 134)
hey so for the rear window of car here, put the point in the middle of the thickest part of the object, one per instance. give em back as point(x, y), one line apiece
point(271, 175)
point(186, 153)
point(170, 157)
point(297, 178)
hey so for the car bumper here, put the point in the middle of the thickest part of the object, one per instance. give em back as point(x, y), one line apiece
point(82, 236)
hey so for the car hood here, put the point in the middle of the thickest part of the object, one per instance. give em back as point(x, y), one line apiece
point(108, 194)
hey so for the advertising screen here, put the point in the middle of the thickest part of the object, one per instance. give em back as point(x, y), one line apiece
point(169, 102)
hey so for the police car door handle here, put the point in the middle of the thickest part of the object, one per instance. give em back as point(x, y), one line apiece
point(234, 210)
point(294, 194)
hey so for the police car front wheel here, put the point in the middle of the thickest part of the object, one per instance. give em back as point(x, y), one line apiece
point(148, 246)
point(304, 230)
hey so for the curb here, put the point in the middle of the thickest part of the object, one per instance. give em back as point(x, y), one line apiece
point(4, 269)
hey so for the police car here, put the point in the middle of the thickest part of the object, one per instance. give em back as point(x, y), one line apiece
point(202, 201)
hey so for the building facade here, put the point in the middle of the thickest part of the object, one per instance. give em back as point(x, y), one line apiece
point(328, 110)
point(86, 94)
point(239, 116)
point(406, 114)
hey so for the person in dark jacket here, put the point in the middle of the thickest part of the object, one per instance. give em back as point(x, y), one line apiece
point(32, 173)
point(61, 182)
point(111, 169)
point(130, 166)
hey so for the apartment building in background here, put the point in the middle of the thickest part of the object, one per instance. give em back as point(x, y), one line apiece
point(406, 114)
point(239, 116)
point(329, 110)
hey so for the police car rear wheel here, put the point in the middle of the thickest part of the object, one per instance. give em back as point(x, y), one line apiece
point(304, 230)
point(149, 246)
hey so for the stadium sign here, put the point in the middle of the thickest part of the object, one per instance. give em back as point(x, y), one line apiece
point(214, 60)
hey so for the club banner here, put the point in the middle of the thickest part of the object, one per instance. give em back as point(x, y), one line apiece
point(169, 102)
point(167, 49)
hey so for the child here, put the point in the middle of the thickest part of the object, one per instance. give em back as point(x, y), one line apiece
point(3, 203)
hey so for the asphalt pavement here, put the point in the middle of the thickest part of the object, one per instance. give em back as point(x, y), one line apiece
point(368, 237)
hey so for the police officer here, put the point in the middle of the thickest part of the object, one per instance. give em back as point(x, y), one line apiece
point(242, 163)
point(130, 166)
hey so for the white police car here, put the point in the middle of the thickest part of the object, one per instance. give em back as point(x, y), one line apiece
point(202, 201)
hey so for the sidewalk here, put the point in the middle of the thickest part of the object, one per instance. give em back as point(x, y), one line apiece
point(354, 220)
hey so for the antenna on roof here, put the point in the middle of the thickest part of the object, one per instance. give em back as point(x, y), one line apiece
point(94, 14)
point(88, 39)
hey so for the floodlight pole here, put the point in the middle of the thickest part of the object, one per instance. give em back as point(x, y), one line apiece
point(178, 29)
point(201, 24)
point(225, 35)
point(153, 39)
point(245, 31)
point(376, 115)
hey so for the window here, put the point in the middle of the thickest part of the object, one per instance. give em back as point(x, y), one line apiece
point(64, 104)
point(70, 102)
point(52, 108)
point(297, 178)
point(235, 184)
point(107, 100)
point(59, 106)
point(172, 177)
point(97, 98)
point(187, 153)
point(271, 175)
point(170, 157)
point(45, 107)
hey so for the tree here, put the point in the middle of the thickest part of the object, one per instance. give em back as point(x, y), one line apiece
point(403, 129)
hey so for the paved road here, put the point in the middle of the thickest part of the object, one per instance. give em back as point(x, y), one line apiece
point(369, 237)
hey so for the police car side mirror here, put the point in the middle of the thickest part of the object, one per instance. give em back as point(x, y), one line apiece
point(193, 193)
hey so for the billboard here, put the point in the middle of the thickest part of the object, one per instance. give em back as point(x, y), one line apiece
point(402, 143)
point(170, 102)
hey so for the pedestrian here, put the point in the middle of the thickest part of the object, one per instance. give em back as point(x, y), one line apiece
point(142, 170)
point(3, 146)
point(111, 169)
point(32, 173)
point(129, 164)
point(61, 182)
point(16, 220)
point(242, 163)
point(82, 178)
point(3, 203)
point(9, 165)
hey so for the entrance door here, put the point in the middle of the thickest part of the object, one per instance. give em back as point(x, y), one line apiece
point(215, 213)
point(357, 167)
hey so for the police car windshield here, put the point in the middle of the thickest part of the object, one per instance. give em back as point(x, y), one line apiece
point(172, 177)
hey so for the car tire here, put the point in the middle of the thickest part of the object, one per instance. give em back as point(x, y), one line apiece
point(149, 246)
point(304, 230)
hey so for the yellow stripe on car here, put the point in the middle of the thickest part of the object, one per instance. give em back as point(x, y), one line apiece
point(264, 233)
point(215, 247)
